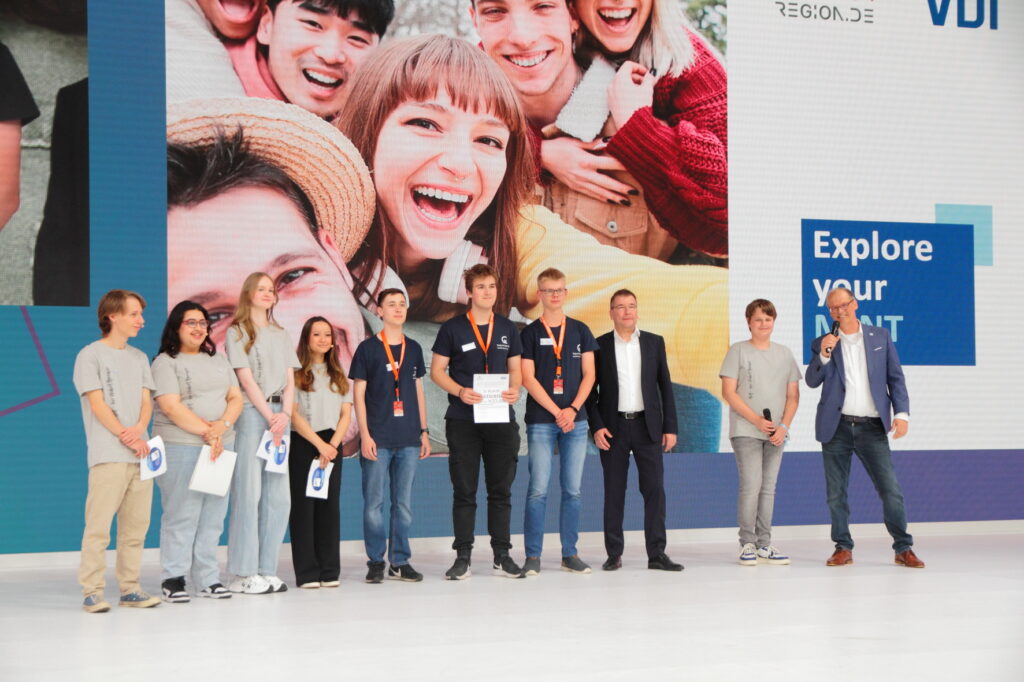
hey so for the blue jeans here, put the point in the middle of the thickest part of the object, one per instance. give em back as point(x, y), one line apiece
point(260, 502)
point(572, 447)
point(192, 522)
point(871, 444)
point(398, 465)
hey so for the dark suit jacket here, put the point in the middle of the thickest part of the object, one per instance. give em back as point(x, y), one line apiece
point(885, 378)
point(655, 383)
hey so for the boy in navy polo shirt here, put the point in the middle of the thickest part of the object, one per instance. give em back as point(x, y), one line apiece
point(388, 372)
point(479, 342)
point(558, 373)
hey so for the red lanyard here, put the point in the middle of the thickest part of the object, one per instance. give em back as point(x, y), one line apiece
point(395, 367)
point(556, 346)
point(480, 339)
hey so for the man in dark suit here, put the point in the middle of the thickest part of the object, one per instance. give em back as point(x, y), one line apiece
point(631, 410)
point(862, 385)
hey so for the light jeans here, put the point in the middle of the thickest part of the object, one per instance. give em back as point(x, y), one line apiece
point(192, 522)
point(398, 465)
point(758, 463)
point(114, 488)
point(572, 450)
point(260, 502)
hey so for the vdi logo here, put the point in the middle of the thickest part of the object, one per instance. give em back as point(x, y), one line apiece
point(318, 478)
point(940, 10)
point(154, 459)
point(281, 454)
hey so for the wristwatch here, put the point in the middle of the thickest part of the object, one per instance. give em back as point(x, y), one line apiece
point(426, 431)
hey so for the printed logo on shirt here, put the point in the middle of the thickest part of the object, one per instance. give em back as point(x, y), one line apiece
point(503, 343)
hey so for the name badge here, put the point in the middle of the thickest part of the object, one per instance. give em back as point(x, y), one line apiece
point(547, 342)
point(399, 407)
point(558, 388)
point(466, 347)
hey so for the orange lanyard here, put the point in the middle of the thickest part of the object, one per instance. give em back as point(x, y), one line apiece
point(395, 367)
point(480, 339)
point(556, 346)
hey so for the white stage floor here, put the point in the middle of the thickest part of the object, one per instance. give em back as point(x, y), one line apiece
point(961, 618)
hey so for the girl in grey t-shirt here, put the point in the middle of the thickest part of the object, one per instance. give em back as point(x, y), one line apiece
point(760, 381)
point(198, 401)
point(263, 357)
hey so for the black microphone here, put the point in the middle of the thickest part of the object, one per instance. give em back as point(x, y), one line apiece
point(834, 332)
point(768, 415)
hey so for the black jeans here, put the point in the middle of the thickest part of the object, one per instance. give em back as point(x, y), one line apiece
point(498, 446)
point(315, 523)
point(631, 435)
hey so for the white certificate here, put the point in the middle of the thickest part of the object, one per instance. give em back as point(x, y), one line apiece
point(154, 463)
point(213, 477)
point(316, 481)
point(492, 410)
point(277, 457)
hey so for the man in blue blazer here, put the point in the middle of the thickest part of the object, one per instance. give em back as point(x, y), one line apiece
point(631, 409)
point(862, 385)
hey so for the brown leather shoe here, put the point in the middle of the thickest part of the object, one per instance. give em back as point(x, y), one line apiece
point(840, 557)
point(909, 559)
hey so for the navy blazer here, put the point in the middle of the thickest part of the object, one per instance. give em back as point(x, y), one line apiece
point(655, 386)
point(885, 377)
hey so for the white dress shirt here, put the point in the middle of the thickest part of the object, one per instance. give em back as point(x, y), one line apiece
point(858, 401)
point(627, 362)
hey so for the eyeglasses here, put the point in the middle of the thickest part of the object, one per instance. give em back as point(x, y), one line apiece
point(553, 292)
point(841, 307)
point(196, 324)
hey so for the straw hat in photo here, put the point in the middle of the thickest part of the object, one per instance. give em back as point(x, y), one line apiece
point(314, 154)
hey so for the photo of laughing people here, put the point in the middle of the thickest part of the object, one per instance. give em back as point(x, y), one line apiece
point(452, 150)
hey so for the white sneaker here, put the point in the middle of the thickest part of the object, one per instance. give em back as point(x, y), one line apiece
point(748, 555)
point(250, 584)
point(770, 555)
point(276, 584)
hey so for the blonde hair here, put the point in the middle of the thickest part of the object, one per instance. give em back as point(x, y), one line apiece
point(242, 321)
point(663, 44)
point(416, 69)
point(112, 303)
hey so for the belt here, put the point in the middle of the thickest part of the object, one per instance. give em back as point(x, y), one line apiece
point(631, 415)
point(860, 420)
point(276, 398)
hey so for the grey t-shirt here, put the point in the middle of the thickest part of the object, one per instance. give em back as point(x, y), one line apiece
point(122, 374)
point(202, 382)
point(761, 380)
point(270, 357)
point(321, 406)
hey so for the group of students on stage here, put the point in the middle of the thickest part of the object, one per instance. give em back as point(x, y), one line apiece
point(264, 384)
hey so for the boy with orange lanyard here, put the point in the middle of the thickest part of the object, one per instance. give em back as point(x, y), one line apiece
point(388, 372)
point(479, 342)
point(558, 373)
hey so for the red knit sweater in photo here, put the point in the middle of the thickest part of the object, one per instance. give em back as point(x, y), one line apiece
point(677, 150)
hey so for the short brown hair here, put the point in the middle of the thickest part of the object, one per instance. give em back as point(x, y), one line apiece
point(617, 294)
point(113, 302)
point(552, 274)
point(762, 304)
point(478, 271)
point(388, 292)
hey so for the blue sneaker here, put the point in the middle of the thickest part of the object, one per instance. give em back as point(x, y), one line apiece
point(95, 603)
point(748, 555)
point(139, 600)
point(770, 555)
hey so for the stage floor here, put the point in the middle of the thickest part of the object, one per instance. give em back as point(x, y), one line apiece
point(961, 618)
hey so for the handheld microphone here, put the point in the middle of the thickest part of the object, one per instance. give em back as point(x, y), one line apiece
point(768, 415)
point(834, 332)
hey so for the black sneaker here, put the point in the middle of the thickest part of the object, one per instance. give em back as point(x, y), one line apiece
point(661, 562)
point(505, 567)
point(174, 590)
point(376, 573)
point(405, 573)
point(460, 569)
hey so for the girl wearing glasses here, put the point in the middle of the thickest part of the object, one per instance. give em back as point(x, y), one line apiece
point(197, 402)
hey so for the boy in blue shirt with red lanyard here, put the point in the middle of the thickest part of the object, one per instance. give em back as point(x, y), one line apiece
point(388, 372)
point(479, 342)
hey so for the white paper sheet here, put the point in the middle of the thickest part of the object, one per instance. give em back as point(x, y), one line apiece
point(213, 477)
point(493, 410)
point(155, 463)
point(316, 481)
point(277, 458)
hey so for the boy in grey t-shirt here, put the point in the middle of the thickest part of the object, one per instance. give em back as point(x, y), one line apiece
point(114, 382)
